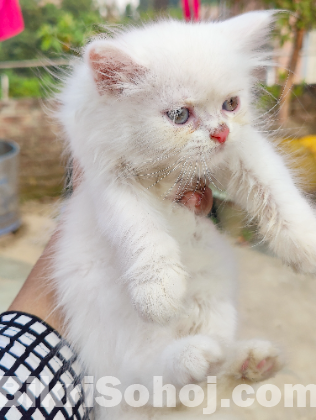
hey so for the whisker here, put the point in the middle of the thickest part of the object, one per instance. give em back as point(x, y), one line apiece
point(211, 176)
point(159, 171)
point(184, 177)
point(163, 177)
point(176, 181)
point(198, 183)
point(188, 179)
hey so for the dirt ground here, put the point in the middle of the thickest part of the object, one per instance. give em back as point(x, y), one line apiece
point(274, 303)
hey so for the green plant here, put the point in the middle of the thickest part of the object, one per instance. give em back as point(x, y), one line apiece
point(28, 86)
point(269, 95)
point(300, 18)
point(51, 29)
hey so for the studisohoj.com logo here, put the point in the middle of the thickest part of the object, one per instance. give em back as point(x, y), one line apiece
point(107, 392)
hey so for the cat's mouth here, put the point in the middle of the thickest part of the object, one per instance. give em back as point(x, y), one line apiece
point(200, 201)
point(194, 194)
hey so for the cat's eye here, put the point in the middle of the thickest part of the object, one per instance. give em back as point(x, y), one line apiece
point(179, 116)
point(230, 104)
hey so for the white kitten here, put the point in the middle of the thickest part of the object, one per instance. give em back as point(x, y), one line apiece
point(146, 286)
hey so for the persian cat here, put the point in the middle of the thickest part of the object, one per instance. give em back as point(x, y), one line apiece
point(147, 287)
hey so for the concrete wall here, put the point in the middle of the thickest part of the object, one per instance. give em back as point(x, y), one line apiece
point(41, 162)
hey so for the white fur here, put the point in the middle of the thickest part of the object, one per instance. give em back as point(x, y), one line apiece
point(147, 287)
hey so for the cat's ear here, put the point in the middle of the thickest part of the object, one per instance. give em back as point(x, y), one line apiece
point(251, 29)
point(113, 69)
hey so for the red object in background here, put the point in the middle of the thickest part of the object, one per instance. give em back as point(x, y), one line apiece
point(11, 19)
point(191, 9)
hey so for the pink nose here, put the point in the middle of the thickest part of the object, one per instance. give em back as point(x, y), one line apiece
point(220, 134)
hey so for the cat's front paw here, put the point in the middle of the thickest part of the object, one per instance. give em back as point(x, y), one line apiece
point(192, 359)
point(297, 247)
point(160, 299)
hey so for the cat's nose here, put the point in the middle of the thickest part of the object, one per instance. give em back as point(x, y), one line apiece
point(220, 134)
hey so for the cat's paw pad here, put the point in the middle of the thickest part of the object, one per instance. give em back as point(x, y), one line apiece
point(199, 357)
point(263, 370)
point(261, 361)
point(160, 300)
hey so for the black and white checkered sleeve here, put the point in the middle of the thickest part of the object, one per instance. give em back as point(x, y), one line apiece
point(40, 376)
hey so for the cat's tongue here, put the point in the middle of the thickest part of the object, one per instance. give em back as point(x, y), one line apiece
point(200, 202)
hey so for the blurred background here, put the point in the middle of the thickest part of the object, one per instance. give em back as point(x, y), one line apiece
point(35, 50)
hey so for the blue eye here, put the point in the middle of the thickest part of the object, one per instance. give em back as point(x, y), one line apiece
point(179, 116)
point(231, 104)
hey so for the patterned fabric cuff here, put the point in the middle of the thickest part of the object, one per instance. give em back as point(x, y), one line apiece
point(40, 377)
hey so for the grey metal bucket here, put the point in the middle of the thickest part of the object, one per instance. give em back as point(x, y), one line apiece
point(9, 212)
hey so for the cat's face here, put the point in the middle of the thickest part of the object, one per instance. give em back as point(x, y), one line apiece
point(178, 94)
